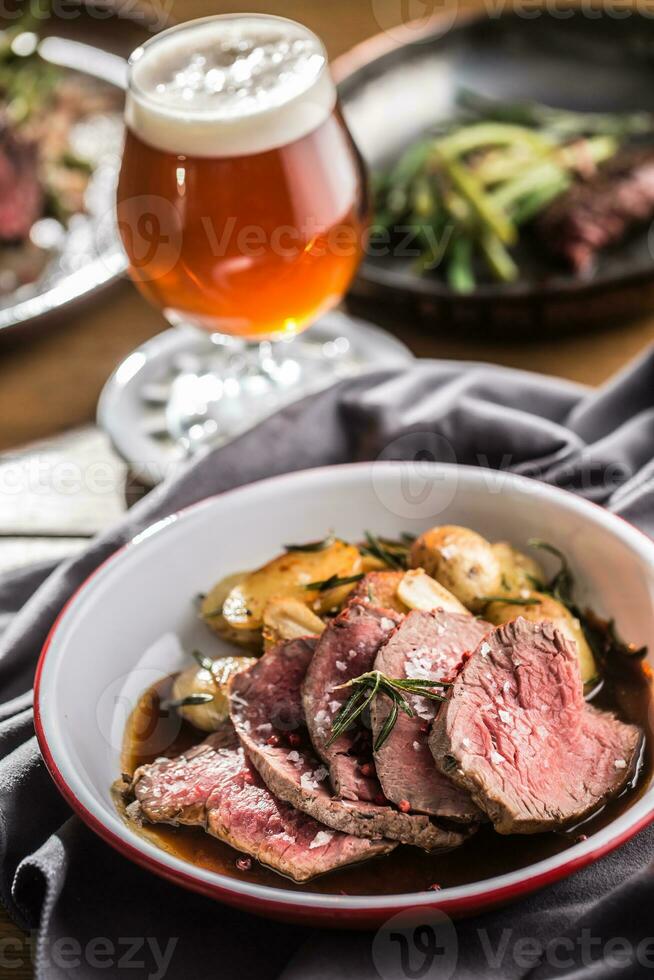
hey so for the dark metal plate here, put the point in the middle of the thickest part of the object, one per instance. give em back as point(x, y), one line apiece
point(579, 59)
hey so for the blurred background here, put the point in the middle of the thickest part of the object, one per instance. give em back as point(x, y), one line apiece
point(50, 378)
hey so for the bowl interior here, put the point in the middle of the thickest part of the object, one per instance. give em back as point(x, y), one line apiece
point(134, 621)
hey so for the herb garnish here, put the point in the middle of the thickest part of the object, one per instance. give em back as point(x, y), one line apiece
point(395, 554)
point(602, 637)
point(312, 546)
point(368, 686)
point(333, 582)
point(188, 701)
point(205, 662)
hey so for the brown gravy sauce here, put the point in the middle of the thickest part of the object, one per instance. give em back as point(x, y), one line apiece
point(152, 733)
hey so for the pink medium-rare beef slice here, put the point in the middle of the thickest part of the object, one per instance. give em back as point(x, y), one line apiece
point(270, 691)
point(518, 735)
point(218, 788)
point(346, 649)
point(426, 646)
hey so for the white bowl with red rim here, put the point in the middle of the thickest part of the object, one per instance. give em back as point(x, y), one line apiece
point(133, 621)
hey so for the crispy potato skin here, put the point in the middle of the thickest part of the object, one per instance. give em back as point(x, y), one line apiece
point(519, 571)
point(288, 575)
point(461, 560)
point(380, 589)
point(196, 680)
point(547, 608)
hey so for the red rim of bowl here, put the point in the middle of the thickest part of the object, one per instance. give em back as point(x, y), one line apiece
point(336, 910)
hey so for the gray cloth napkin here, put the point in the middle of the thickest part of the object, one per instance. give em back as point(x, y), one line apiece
point(93, 914)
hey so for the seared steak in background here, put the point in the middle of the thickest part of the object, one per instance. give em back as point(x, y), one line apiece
point(21, 195)
point(600, 211)
point(518, 735)
point(346, 649)
point(216, 787)
point(428, 646)
point(264, 701)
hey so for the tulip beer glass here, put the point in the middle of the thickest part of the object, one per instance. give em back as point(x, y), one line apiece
point(241, 205)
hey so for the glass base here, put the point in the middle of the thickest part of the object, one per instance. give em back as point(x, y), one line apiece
point(222, 386)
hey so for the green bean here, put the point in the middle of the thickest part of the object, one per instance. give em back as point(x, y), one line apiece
point(482, 134)
point(483, 205)
point(460, 274)
point(499, 261)
point(530, 205)
point(562, 123)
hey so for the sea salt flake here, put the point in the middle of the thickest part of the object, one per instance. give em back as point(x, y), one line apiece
point(620, 764)
point(465, 742)
point(497, 759)
point(504, 716)
point(386, 624)
point(416, 746)
point(334, 706)
point(341, 665)
point(484, 649)
point(321, 839)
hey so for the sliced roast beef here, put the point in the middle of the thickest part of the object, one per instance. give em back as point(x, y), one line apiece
point(266, 708)
point(517, 734)
point(346, 649)
point(427, 646)
point(216, 787)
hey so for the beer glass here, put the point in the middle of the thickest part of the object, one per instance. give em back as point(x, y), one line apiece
point(242, 207)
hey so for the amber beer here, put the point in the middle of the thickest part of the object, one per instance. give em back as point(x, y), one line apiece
point(241, 201)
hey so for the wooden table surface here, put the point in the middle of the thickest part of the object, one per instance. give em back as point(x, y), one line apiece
point(50, 380)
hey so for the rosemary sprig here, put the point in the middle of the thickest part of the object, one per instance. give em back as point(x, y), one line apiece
point(394, 554)
point(187, 702)
point(602, 637)
point(205, 662)
point(370, 685)
point(312, 546)
point(561, 586)
point(333, 582)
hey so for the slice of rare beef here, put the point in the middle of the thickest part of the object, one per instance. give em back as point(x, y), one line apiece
point(266, 708)
point(216, 787)
point(517, 733)
point(346, 649)
point(426, 646)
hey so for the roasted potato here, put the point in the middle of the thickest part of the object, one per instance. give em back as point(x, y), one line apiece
point(286, 618)
point(417, 590)
point(380, 589)
point(211, 612)
point(519, 571)
point(547, 608)
point(214, 681)
point(461, 560)
point(289, 575)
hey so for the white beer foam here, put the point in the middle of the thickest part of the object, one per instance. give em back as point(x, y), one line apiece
point(229, 86)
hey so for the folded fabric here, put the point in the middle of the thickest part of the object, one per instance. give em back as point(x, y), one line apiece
point(87, 903)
